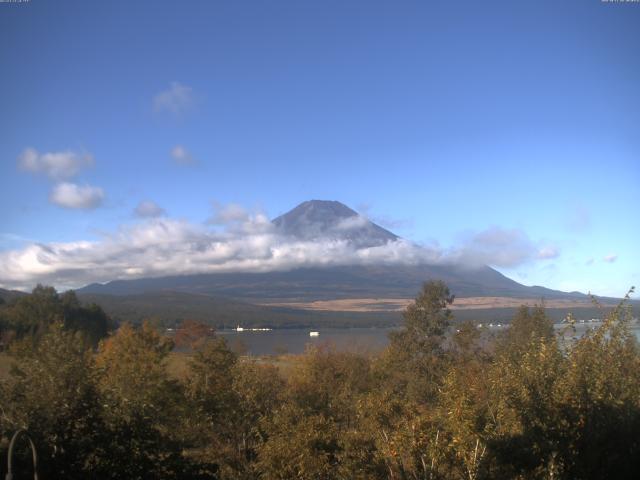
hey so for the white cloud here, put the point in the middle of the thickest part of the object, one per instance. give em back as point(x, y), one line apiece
point(60, 166)
point(226, 214)
point(352, 223)
point(241, 241)
point(610, 258)
point(160, 247)
point(177, 99)
point(55, 165)
point(71, 195)
point(181, 156)
point(501, 247)
point(546, 253)
point(148, 209)
point(385, 221)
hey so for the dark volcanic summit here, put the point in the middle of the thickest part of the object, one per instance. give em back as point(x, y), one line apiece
point(317, 219)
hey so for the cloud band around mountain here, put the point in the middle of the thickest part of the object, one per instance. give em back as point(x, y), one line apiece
point(250, 243)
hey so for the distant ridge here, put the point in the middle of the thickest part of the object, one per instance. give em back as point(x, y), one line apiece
point(9, 295)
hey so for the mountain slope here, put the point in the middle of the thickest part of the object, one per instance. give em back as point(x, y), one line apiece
point(322, 219)
point(318, 220)
point(10, 295)
point(351, 281)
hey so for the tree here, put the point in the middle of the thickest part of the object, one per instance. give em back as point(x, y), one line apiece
point(317, 432)
point(527, 324)
point(209, 381)
point(51, 393)
point(209, 425)
point(429, 316)
point(570, 412)
point(31, 315)
point(300, 445)
point(192, 334)
point(599, 399)
point(91, 320)
point(416, 355)
point(464, 408)
point(142, 406)
point(258, 390)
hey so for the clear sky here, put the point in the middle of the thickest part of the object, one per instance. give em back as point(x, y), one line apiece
point(494, 126)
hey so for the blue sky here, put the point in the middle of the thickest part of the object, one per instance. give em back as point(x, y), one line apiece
point(487, 127)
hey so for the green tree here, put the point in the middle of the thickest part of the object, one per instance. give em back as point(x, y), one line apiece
point(51, 393)
point(31, 315)
point(90, 320)
point(528, 324)
point(416, 359)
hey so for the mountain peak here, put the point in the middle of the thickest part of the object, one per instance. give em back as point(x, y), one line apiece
point(331, 219)
point(319, 210)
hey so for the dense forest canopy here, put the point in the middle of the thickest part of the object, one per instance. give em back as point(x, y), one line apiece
point(31, 315)
point(438, 403)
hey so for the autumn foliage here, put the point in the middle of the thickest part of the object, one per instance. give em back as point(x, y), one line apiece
point(441, 402)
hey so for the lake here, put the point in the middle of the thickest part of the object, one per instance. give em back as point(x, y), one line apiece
point(295, 340)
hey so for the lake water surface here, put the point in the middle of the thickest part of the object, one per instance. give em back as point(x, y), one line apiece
point(296, 340)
